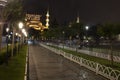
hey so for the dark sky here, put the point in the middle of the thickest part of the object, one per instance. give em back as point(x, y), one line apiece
point(90, 11)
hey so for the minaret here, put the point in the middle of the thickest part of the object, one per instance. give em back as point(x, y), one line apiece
point(78, 19)
point(47, 20)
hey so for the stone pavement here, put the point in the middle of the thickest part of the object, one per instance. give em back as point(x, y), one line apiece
point(46, 65)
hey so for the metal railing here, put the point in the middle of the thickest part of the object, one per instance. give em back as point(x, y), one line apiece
point(93, 53)
point(107, 72)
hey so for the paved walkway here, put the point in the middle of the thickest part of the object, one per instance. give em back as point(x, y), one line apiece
point(46, 65)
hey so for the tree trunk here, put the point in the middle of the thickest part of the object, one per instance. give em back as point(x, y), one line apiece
point(13, 40)
point(1, 30)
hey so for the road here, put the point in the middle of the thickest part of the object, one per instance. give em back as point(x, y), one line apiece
point(46, 65)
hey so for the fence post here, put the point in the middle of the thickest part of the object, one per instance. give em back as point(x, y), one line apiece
point(108, 57)
point(81, 61)
point(64, 54)
point(97, 68)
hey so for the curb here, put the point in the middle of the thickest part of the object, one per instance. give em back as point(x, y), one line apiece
point(26, 65)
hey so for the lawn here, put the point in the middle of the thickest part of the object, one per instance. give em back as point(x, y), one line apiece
point(15, 68)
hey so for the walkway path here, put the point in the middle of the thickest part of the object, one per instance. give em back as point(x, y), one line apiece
point(46, 65)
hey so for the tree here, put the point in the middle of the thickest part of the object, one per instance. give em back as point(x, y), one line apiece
point(16, 14)
point(3, 17)
point(109, 31)
point(11, 14)
point(34, 33)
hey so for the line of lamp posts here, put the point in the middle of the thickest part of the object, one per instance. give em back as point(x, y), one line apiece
point(18, 38)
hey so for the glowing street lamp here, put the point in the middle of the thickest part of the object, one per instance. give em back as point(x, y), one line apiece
point(23, 30)
point(16, 34)
point(7, 30)
point(87, 27)
point(20, 25)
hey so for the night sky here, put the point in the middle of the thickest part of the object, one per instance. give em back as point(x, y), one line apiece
point(90, 11)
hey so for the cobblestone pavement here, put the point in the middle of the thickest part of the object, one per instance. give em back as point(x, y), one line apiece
point(46, 65)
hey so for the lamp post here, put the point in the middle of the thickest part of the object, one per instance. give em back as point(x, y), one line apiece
point(16, 40)
point(7, 30)
point(87, 28)
point(63, 39)
point(20, 25)
point(25, 34)
point(87, 42)
point(19, 36)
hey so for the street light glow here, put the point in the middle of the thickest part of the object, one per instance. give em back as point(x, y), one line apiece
point(23, 30)
point(16, 34)
point(20, 25)
point(7, 29)
point(63, 32)
point(87, 27)
point(47, 14)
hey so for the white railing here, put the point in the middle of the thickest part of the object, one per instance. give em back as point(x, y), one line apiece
point(107, 72)
point(92, 53)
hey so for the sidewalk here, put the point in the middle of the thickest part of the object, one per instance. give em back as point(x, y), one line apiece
point(46, 65)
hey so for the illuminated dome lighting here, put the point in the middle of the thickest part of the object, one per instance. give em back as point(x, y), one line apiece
point(47, 14)
point(47, 20)
point(47, 24)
